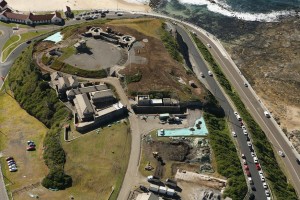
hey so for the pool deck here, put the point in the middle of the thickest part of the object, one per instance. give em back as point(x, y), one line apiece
point(56, 37)
point(185, 132)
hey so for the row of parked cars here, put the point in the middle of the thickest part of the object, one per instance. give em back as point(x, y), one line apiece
point(12, 165)
point(255, 159)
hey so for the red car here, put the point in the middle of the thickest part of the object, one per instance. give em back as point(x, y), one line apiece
point(246, 167)
point(31, 148)
point(258, 166)
point(248, 173)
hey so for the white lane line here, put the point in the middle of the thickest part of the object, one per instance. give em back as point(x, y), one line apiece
point(257, 114)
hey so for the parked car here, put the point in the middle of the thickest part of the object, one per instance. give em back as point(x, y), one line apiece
point(249, 144)
point(31, 148)
point(246, 84)
point(239, 117)
point(210, 73)
point(253, 188)
point(250, 180)
point(265, 185)
point(243, 156)
point(244, 127)
point(28, 41)
point(9, 158)
point(120, 14)
point(10, 161)
point(298, 161)
point(202, 75)
point(253, 154)
point(245, 133)
point(13, 169)
point(143, 188)
point(235, 113)
point(208, 45)
point(248, 138)
point(12, 166)
point(30, 142)
point(103, 15)
point(246, 167)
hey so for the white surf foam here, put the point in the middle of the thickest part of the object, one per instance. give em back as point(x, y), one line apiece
point(222, 8)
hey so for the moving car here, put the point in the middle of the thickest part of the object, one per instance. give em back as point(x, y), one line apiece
point(257, 166)
point(143, 188)
point(234, 134)
point(210, 73)
point(262, 178)
point(267, 114)
point(281, 154)
point(255, 159)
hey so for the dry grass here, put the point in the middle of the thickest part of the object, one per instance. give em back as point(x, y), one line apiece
point(96, 162)
point(18, 128)
point(147, 26)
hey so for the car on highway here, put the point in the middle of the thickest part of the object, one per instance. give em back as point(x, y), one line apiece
point(210, 73)
point(250, 180)
point(248, 173)
point(249, 144)
point(267, 114)
point(255, 159)
point(267, 193)
point(281, 153)
point(234, 134)
point(260, 173)
point(265, 185)
point(257, 166)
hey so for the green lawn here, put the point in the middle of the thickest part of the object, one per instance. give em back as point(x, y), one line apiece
point(11, 40)
point(24, 37)
point(14, 25)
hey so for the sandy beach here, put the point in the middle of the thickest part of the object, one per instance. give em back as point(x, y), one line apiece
point(51, 5)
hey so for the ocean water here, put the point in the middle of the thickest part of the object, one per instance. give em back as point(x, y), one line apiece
point(248, 10)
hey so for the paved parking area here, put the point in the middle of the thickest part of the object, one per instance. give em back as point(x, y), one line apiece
point(102, 55)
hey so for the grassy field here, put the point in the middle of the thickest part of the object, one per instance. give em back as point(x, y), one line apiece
point(147, 26)
point(15, 131)
point(14, 25)
point(24, 37)
point(97, 162)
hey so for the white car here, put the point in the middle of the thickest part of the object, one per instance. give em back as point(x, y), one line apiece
point(208, 45)
point(239, 117)
point(245, 132)
point(235, 113)
point(210, 73)
point(262, 178)
point(249, 144)
point(265, 185)
point(202, 75)
point(281, 153)
point(253, 154)
point(244, 161)
point(260, 173)
point(267, 114)
point(255, 159)
point(13, 169)
point(267, 193)
point(234, 134)
point(244, 127)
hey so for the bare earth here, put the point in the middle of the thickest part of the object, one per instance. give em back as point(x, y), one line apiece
point(44, 5)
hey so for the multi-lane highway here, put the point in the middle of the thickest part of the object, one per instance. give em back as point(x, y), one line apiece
point(248, 96)
point(213, 86)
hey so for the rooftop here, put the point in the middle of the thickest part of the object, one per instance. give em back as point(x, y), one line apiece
point(83, 105)
point(110, 109)
point(102, 94)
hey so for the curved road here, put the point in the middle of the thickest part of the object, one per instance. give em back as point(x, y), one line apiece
point(248, 96)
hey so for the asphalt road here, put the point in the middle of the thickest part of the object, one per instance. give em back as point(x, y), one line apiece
point(217, 92)
point(256, 108)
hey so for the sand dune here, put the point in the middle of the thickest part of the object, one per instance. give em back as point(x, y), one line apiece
point(51, 5)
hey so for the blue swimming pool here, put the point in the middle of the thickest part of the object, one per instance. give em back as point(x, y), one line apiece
point(57, 37)
point(199, 129)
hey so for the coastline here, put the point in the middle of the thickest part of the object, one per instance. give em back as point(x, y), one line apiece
point(44, 5)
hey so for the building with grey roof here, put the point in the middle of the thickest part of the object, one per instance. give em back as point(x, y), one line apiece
point(102, 96)
point(84, 108)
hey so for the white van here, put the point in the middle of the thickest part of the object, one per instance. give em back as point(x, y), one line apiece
point(267, 114)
